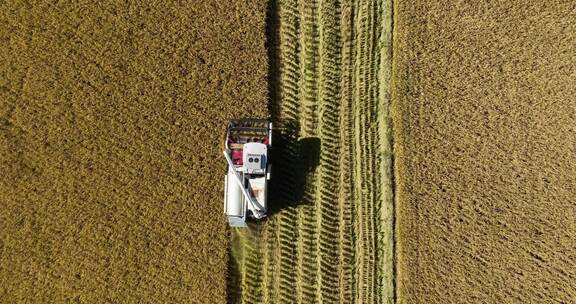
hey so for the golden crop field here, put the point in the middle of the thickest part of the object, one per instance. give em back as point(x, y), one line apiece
point(424, 151)
point(329, 239)
point(112, 116)
point(484, 117)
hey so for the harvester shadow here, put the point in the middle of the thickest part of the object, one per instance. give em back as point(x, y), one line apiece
point(294, 160)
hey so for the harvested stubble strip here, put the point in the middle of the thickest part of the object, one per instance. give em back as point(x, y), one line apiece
point(334, 230)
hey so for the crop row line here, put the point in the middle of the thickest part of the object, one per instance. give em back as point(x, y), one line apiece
point(328, 184)
point(346, 202)
point(307, 243)
point(289, 116)
point(366, 176)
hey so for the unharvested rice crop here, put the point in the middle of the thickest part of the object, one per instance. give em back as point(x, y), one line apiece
point(329, 239)
point(111, 123)
point(484, 117)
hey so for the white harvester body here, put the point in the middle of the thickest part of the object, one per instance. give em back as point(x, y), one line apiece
point(248, 142)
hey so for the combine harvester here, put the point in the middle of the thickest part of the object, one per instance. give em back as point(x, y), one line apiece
point(248, 143)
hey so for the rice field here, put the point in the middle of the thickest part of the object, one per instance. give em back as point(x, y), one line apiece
point(329, 239)
point(424, 151)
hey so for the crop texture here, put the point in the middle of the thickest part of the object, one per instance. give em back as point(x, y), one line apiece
point(485, 147)
point(111, 123)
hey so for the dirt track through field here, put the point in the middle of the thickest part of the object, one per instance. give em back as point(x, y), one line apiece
point(330, 237)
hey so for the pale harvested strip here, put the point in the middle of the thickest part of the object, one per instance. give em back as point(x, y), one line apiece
point(385, 155)
point(370, 165)
point(345, 201)
point(328, 171)
point(307, 224)
point(252, 271)
point(286, 220)
point(331, 242)
point(312, 271)
point(270, 286)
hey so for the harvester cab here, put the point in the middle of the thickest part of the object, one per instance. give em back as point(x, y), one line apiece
point(248, 143)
